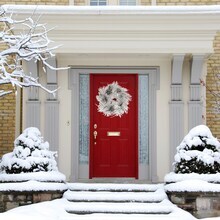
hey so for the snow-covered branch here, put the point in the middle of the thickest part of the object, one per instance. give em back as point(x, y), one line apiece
point(30, 45)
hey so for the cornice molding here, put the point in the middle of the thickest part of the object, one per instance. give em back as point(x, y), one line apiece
point(139, 29)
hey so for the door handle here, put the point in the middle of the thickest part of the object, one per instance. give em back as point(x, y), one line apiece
point(95, 133)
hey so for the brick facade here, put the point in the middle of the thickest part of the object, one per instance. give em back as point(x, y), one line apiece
point(212, 116)
point(145, 2)
point(188, 2)
point(7, 121)
point(35, 2)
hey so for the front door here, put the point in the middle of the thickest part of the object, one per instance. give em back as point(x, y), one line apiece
point(113, 125)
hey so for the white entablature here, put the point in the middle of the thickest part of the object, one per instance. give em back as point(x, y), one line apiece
point(119, 29)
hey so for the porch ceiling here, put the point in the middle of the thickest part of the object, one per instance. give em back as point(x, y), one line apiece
point(129, 30)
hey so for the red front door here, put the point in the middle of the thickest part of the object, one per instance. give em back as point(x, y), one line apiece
point(113, 133)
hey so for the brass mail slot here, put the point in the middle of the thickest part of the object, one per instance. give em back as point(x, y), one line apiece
point(113, 133)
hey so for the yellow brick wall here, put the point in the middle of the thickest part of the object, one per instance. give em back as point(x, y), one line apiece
point(7, 121)
point(212, 80)
point(80, 2)
point(188, 2)
point(145, 2)
point(35, 2)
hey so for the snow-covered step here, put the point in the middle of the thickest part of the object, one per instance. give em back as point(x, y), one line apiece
point(118, 208)
point(103, 196)
point(114, 187)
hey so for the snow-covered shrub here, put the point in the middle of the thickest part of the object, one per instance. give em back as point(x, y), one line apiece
point(30, 154)
point(199, 152)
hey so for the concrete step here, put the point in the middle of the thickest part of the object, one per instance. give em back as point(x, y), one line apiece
point(114, 187)
point(84, 208)
point(91, 198)
point(104, 196)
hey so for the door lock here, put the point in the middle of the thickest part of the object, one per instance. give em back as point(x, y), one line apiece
point(95, 133)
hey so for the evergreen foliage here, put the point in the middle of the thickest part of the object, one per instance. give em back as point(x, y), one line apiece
point(199, 153)
point(30, 154)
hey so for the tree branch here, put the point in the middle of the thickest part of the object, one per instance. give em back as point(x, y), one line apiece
point(31, 45)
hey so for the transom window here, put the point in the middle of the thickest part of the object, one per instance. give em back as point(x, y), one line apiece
point(98, 2)
point(127, 2)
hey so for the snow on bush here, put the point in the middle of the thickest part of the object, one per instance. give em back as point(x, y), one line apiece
point(199, 152)
point(30, 154)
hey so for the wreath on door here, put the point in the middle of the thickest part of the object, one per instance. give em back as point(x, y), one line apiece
point(113, 100)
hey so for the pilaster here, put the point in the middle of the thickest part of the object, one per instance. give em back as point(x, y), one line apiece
point(195, 103)
point(52, 108)
point(176, 106)
point(33, 103)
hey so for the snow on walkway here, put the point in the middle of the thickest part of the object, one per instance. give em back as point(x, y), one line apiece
point(56, 210)
point(156, 196)
point(114, 187)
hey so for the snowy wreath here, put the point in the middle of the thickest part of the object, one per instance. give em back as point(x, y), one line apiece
point(113, 100)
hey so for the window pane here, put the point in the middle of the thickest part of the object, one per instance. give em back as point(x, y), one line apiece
point(127, 2)
point(98, 2)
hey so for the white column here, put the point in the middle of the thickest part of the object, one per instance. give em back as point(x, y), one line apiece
point(33, 103)
point(52, 109)
point(195, 103)
point(176, 106)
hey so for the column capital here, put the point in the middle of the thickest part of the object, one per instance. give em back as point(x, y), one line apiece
point(197, 68)
point(176, 79)
point(177, 66)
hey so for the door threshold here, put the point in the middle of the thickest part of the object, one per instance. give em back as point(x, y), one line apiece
point(114, 180)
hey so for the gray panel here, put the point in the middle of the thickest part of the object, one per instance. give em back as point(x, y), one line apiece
point(176, 127)
point(33, 92)
point(33, 114)
point(195, 103)
point(153, 124)
point(177, 66)
point(195, 94)
point(51, 73)
point(176, 106)
point(51, 96)
point(196, 69)
point(176, 92)
point(52, 124)
point(74, 85)
point(195, 113)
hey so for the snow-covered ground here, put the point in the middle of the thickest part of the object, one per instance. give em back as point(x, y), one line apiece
point(153, 195)
point(55, 210)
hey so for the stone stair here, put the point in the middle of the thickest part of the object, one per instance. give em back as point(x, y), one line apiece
point(90, 198)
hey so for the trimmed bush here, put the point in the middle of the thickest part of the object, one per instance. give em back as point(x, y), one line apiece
point(30, 154)
point(199, 153)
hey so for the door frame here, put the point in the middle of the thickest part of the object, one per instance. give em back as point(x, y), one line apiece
point(91, 160)
point(73, 84)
